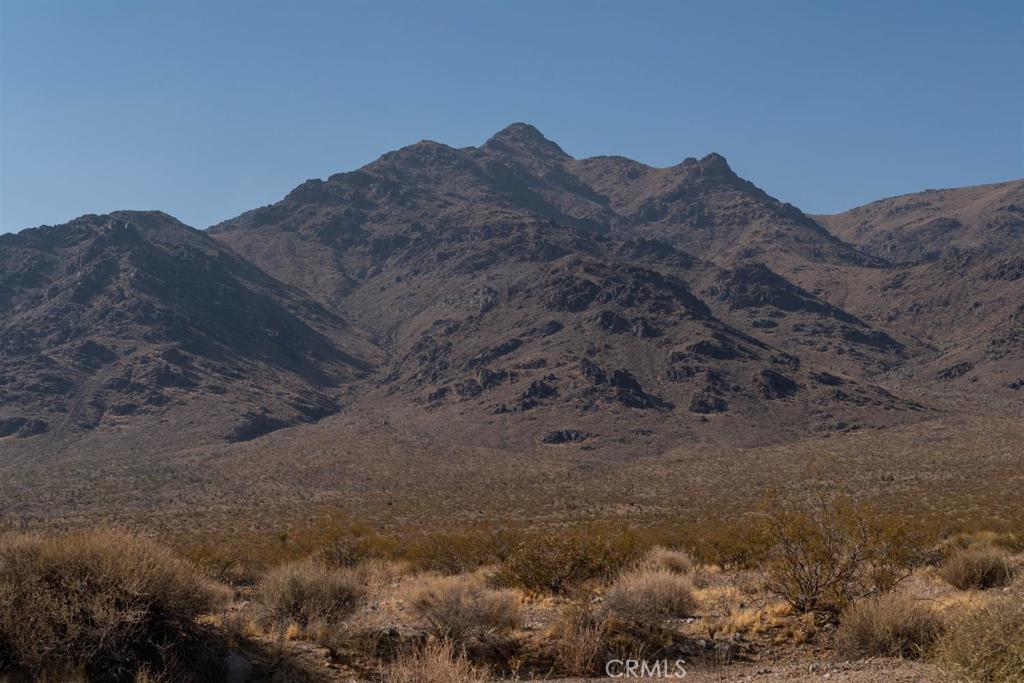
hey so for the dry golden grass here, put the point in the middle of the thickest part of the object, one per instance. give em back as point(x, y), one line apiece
point(99, 602)
point(459, 608)
point(740, 607)
point(438, 662)
point(888, 625)
point(648, 596)
point(986, 645)
point(308, 592)
point(977, 568)
point(577, 640)
point(675, 561)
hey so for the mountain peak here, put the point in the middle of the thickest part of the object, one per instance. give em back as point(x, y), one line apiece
point(714, 164)
point(523, 138)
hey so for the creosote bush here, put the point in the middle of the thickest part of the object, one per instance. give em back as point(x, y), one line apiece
point(557, 563)
point(986, 645)
point(458, 608)
point(646, 597)
point(829, 552)
point(309, 592)
point(978, 568)
point(731, 544)
point(105, 603)
point(887, 625)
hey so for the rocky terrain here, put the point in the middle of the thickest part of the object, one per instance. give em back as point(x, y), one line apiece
point(112, 321)
point(510, 296)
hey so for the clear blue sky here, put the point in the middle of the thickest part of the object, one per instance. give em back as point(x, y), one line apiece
point(206, 109)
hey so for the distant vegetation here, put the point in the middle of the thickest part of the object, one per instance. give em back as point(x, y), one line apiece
point(417, 607)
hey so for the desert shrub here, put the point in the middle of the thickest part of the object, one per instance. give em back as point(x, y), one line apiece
point(978, 568)
point(731, 545)
point(578, 638)
point(243, 557)
point(103, 602)
point(309, 592)
point(353, 549)
point(438, 662)
point(457, 608)
point(455, 552)
point(887, 625)
point(986, 645)
point(583, 638)
point(1010, 541)
point(558, 562)
point(675, 561)
point(646, 597)
point(829, 552)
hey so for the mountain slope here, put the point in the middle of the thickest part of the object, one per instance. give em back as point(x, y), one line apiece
point(506, 296)
point(345, 227)
point(132, 319)
point(499, 282)
point(929, 225)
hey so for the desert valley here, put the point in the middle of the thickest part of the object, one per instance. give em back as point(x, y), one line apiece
point(450, 358)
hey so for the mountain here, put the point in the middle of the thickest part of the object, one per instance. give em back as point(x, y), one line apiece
point(500, 322)
point(349, 224)
point(512, 280)
point(130, 319)
point(930, 225)
point(511, 297)
point(958, 285)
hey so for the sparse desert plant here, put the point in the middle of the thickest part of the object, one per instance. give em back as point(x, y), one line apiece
point(578, 641)
point(452, 552)
point(106, 603)
point(986, 645)
point(829, 552)
point(457, 608)
point(887, 625)
point(1010, 541)
point(309, 592)
point(438, 662)
point(732, 544)
point(647, 597)
point(675, 561)
point(559, 562)
point(978, 568)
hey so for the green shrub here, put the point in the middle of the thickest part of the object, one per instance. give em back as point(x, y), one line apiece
point(558, 563)
point(731, 545)
point(455, 552)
